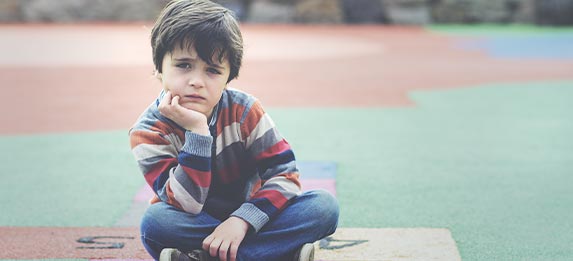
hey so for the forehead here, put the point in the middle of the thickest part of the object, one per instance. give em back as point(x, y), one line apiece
point(189, 51)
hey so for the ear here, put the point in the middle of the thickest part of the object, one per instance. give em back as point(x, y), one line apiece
point(158, 75)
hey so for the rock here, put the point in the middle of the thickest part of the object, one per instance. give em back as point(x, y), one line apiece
point(481, 11)
point(408, 11)
point(554, 12)
point(10, 11)
point(239, 7)
point(522, 11)
point(318, 11)
point(266, 11)
point(363, 11)
point(90, 10)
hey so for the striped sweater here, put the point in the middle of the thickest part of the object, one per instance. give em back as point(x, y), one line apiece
point(245, 168)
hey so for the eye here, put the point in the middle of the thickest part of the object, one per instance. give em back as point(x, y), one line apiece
point(183, 65)
point(213, 70)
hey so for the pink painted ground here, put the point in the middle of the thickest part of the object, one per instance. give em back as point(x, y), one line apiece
point(98, 77)
point(59, 243)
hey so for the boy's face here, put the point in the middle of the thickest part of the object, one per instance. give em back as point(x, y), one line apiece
point(198, 84)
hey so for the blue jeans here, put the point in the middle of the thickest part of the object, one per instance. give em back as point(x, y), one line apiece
point(308, 217)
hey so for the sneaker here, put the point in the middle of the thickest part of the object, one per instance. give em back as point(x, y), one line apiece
point(305, 253)
point(173, 254)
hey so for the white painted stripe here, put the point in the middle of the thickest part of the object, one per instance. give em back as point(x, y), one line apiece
point(232, 134)
point(146, 151)
point(264, 124)
point(187, 201)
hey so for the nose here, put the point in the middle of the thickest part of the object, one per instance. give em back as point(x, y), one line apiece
point(196, 80)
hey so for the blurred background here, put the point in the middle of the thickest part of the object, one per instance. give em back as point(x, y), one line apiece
point(542, 12)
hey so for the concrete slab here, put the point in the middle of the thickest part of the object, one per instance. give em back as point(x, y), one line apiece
point(388, 244)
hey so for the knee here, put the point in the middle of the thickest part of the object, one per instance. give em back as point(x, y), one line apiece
point(326, 207)
point(161, 219)
point(169, 226)
point(152, 234)
point(150, 222)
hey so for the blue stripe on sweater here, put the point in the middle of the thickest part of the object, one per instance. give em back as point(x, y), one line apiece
point(194, 162)
point(160, 181)
point(265, 205)
point(231, 96)
point(279, 159)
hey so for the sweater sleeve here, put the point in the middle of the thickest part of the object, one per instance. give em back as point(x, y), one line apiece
point(179, 173)
point(275, 164)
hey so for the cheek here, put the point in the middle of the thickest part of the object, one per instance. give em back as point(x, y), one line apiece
point(169, 84)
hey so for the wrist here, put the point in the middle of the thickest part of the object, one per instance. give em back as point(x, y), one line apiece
point(243, 224)
point(201, 130)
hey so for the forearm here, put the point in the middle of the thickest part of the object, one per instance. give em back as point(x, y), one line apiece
point(191, 180)
point(180, 178)
point(269, 201)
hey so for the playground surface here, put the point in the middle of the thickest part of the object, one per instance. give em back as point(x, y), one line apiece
point(440, 143)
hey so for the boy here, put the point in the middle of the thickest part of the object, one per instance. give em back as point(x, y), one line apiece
point(226, 181)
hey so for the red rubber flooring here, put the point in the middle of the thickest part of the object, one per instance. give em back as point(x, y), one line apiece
point(67, 80)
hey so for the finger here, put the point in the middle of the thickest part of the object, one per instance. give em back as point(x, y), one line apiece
point(214, 248)
point(164, 103)
point(175, 100)
point(207, 242)
point(223, 250)
point(233, 251)
point(166, 98)
point(175, 104)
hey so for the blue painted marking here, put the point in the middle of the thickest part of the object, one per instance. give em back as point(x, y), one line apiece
point(317, 169)
point(525, 47)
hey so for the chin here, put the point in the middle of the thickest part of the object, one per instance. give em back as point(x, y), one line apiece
point(193, 107)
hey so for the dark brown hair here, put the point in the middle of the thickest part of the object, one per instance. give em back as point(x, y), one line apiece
point(210, 28)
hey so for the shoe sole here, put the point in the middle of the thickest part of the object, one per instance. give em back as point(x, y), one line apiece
point(167, 254)
point(306, 252)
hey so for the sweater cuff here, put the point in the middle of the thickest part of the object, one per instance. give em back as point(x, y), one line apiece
point(198, 145)
point(253, 215)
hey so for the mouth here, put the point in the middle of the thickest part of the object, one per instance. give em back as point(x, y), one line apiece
point(194, 97)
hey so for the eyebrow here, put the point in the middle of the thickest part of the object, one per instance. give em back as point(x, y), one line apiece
point(190, 59)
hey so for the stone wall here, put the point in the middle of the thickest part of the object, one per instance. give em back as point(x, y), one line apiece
point(471, 11)
point(65, 11)
point(547, 12)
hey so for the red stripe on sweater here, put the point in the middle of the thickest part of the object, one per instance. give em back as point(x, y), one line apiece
point(160, 167)
point(145, 137)
point(255, 114)
point(278, 148)
point(166, 129)
point(229, 115)
point(201, 178)
point(230, 173)
point(162, 127)
point(274, 196)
